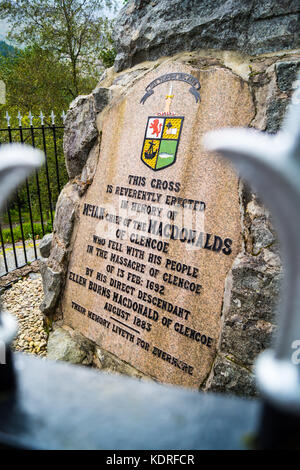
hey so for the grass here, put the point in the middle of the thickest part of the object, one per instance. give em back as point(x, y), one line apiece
point(25, 215)
point(27, 230)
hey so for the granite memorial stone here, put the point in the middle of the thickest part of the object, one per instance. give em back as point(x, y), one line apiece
point(159, 227)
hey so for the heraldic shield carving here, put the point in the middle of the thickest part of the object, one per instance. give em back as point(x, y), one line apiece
point(161, 141)
point(163, 131)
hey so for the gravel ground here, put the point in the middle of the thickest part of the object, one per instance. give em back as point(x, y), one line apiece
point(22, 300)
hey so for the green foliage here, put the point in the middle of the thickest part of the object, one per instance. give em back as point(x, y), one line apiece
point(108, 52)
point(35, 79)
point(74, 31)
point(108, 57)
point(27, 231)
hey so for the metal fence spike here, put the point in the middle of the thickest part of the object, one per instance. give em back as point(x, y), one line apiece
point(7, 117)
point(20, 117)
point(30, 115)
point(42, 118)
point(52, 118)
point(63, 116)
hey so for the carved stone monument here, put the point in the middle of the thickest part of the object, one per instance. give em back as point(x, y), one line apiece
point(159, 227)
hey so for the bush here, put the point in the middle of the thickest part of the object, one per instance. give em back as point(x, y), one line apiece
point(27, 231)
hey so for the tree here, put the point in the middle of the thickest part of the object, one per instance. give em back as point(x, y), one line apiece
point(35, 80)
point(76, 32)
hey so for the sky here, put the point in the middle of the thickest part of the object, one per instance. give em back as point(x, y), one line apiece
point(3, 29)
point(4, 25)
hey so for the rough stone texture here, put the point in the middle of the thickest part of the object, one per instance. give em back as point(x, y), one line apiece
point(64, 217)
point(80, 128)
point(275, 114)
point(88, 172)
point(286, 74)
point(80, 133)
point(52, 286)
point(62, 346)
point(45, 245)
point(232, 377)
point(146, 30)
point(258, 228)
point(272, 81)
point(125, 79)
point(249, 316)
point(107, 361)
point(102, 97)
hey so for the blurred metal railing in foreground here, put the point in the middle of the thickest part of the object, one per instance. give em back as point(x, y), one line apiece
point(29, 214)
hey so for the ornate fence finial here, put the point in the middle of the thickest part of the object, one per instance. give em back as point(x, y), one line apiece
point(63, 116)
point(271, 164)
point(41, 116)
point(20, 117)
point(52, 115)
point(7, 117)
point(30, 118)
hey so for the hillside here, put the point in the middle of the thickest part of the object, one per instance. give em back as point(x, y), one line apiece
point(6, 50)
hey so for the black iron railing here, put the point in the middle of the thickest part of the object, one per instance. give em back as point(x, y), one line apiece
point(30, 212)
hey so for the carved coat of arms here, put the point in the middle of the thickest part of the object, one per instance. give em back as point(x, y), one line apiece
point(163, 131)
point(161, 141)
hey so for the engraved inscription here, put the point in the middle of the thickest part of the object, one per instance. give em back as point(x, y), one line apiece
point(152, 249)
